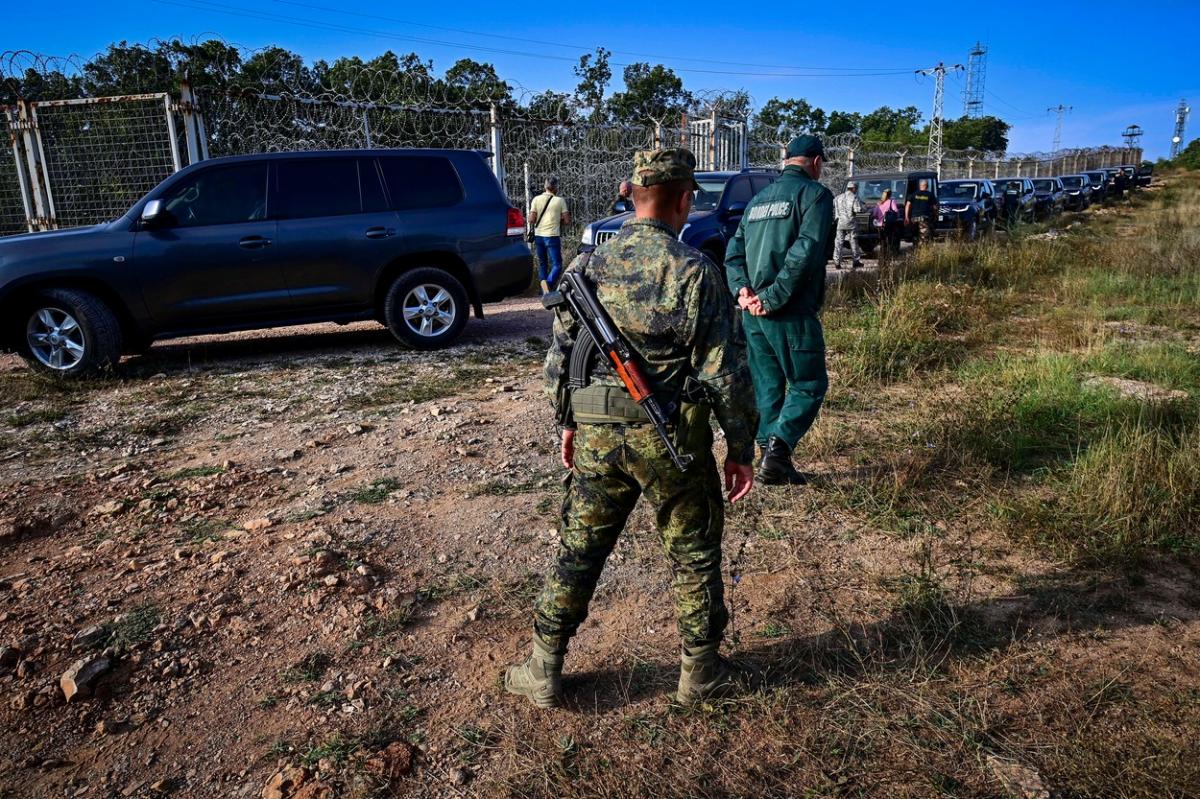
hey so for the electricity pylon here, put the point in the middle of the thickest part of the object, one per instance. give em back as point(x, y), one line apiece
point(939, 100)
point(1059, 109)
point(1181, 115)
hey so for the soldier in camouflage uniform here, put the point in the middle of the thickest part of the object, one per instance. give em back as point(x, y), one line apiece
point(669, 301)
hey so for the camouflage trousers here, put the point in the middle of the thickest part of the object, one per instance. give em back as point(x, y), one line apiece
point(924, 229)
point(614, 465)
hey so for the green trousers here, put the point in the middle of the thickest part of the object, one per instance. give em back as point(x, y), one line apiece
point(614, 465)
point(787, 364)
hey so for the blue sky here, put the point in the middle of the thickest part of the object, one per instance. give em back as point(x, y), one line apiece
point(1115, 63)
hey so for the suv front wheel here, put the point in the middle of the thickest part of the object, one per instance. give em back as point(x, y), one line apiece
point(70, 333)
point(426, 308)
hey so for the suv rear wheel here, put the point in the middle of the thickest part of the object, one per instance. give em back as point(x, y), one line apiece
point(426, 308)
point(70, 333)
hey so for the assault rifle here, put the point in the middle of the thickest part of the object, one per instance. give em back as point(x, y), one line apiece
point(576, 293)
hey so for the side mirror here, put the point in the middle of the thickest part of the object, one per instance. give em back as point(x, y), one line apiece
point(736, 209)
point(154, 214)
point(623, 206)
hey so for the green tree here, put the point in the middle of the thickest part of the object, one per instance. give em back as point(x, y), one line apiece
point(594, 75)
point(651, 93)
point(843, 122)
point(976, 133)
point(780, 120)
point(886, 124)
point(1189, 157)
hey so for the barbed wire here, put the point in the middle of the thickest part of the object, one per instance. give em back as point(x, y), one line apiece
point(271, 100)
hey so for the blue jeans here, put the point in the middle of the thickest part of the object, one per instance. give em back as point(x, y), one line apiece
point(549, 255)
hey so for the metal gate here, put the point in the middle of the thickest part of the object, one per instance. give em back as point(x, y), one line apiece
point(75, 162)
point(14, 204)
point(719, 143)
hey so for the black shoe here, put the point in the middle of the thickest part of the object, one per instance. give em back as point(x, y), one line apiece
point(776, 467)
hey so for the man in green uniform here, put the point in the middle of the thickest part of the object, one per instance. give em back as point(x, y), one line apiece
point(775, 265)
point(668, 300)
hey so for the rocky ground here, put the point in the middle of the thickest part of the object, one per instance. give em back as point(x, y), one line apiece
point(293, 563)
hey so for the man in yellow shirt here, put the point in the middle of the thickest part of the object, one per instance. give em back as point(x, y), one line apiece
point(548, 215)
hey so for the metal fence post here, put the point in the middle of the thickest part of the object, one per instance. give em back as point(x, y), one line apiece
point(172, 134)
point(900, 166)
point(850, 162)
point(35, 159)
point(367, 128)
point(497, 153)
point(19, 163)
point(744, 131)
point(970, 167)
point(193, 124)
point(525, 183)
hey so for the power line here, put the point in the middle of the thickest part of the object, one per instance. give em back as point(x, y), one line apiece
point(576, 47)
point(207, 5)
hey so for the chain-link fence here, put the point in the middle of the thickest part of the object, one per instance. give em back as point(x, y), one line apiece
point(92, 157)
point(102, 154)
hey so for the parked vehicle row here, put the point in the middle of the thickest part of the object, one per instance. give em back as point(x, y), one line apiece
point(411, 238)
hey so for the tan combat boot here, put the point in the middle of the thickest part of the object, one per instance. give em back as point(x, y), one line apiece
point(704, 674)
point(539, 677)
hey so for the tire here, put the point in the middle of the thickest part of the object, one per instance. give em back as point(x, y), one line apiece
point(868, 247)
point(426, 308)
point(69, 334)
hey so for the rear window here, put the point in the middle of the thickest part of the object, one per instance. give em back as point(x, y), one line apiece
point(314, 187)
point(421, 182)
point(1044, 185)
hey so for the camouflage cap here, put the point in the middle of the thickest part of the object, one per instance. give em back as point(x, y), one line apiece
point(651, 167)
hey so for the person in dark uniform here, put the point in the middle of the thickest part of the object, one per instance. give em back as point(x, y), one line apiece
point(775, 266)
point(919, 210)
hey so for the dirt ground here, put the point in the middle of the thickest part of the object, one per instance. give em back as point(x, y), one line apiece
point(298, 560)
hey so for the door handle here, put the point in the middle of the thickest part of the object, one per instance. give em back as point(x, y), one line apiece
point(380, 232)
point(254, 242)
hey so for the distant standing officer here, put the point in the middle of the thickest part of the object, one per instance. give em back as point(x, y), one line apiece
point(669, 301)
point(845, 208)
point(775, 265)
point(920, 207)
point(548, 215)
point(624, 202)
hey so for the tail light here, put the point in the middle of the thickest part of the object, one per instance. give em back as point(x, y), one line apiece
point(516, 222)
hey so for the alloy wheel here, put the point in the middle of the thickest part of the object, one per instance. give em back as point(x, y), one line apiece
point(55, 339)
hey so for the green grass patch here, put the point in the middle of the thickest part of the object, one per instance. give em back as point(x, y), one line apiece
point(377, 491)
point(310, 668)
point(192, 472)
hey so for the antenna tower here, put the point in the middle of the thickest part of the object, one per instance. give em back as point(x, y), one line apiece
point(976, 71)
point(939, 100)
point(1059, 109)
point(1181, 115)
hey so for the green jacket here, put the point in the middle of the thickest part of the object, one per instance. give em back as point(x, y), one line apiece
point(779, 250)
point(669, 302)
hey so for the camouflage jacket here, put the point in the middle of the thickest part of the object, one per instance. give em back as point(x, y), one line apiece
point(669, 301)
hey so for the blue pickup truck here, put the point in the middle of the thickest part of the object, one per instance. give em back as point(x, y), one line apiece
point(719, 206)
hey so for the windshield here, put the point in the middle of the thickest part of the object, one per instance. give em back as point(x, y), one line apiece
point(1044, 185)
point(872, 190)
point(1095, 177)
point(709, 194)
point(960, 191)
point(1073, 182)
